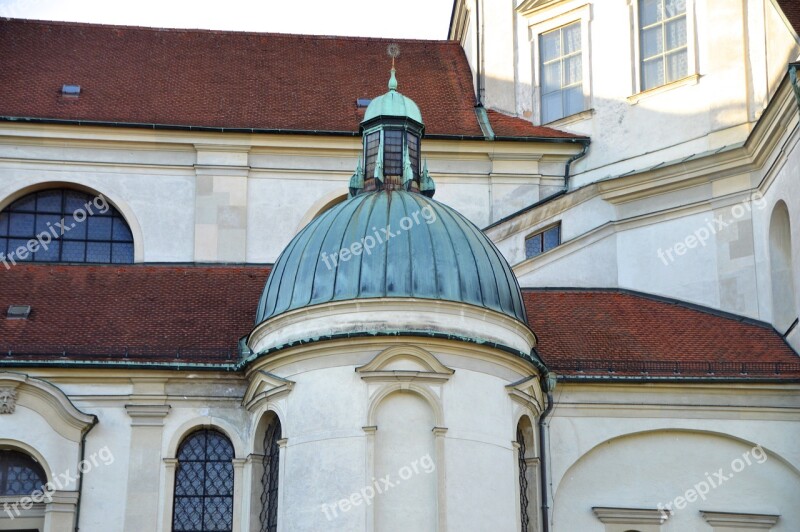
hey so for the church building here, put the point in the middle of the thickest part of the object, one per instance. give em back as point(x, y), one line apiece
point(542, 276)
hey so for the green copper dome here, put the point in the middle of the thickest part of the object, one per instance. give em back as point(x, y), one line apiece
point(398, 244)
point(392, 104)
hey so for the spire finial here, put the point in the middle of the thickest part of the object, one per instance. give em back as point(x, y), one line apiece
point(393, 50)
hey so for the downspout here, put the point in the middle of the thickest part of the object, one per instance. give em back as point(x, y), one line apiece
point(478, 64)
point(549, 382)
point(571, 160)
point(80, 475)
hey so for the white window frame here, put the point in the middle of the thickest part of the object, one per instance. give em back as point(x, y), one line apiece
point(540, 24)
point(691, 54)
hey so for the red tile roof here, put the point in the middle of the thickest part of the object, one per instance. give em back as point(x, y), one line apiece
point(614, 332)
point(509, 126)
point(152, 312)
point(194, 313)
point(236, 80)
point(791, 8)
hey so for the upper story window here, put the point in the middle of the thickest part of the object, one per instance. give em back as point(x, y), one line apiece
point(542, 241)
point(561, 72)
point(63, 225)
point(204, 483)
point(663, 42)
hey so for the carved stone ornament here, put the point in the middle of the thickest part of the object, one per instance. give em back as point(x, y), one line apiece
point(8, 400)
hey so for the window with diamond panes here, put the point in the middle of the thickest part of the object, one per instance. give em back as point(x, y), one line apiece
point(523, 481)
point(546, 240)
point(204, 484)
point(662, 41)
point(269, 477)
point(371, 145)
point(392, 152)
point(19, 474)
point(67, 226)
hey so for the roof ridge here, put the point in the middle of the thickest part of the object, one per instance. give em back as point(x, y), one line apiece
point(68, 23)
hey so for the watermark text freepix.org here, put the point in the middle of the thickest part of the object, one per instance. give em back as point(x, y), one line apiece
point(55, 231)
point(700, 236)
point(379, 236)
point(713, 480)
point(61, 481)
point(378, 486)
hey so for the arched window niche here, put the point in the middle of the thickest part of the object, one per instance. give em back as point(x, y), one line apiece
point(64, 225)
point(784, 310)
point(527, 475)
point(270, 474)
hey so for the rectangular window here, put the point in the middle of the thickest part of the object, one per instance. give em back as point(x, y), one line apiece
point(561, 72)
point(546, 240)
point(662, 42)
point(371, 153)
point(413, 152)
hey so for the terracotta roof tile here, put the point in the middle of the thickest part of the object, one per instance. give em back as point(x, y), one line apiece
point(791, 8)
point(613, 332)
point(509, 126)
point(195, 313)
point(225, 79)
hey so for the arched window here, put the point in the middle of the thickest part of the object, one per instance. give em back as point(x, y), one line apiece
point(781, 271)
point(64, 225)
point(269, 477)
point(204, 483)
point(19, 474)
point(527, 476)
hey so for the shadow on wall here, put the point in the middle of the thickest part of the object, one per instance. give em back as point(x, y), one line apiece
point(707, 472)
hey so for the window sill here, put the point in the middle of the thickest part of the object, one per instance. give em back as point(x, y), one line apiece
point(688, 80)
point(570, 119)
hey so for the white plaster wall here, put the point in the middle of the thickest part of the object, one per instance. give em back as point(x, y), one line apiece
point(740, 50)
point(684, 460)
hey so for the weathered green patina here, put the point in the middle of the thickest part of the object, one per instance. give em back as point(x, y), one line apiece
point(392, 104)
point(398, 244)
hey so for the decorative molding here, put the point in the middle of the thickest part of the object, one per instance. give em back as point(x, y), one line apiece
point(265, 386)
point(405, 363)
point(527, 8)
point(691, 79)
point(8, 399)
point(528, 393)
point(49, 402)
point(630, 516)
point(735, 520)
point(147, 415)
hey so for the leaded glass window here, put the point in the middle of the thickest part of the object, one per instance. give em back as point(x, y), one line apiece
point(204, 483)
point(546, 240)
point(270, 478)
point(63, 225)
point(523, 481)
point(662, 41)
point(413, 152)
point(392, 152)
point(19, 474)
point(371, 145)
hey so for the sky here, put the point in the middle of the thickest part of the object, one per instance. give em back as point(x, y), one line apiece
point(412, 19)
